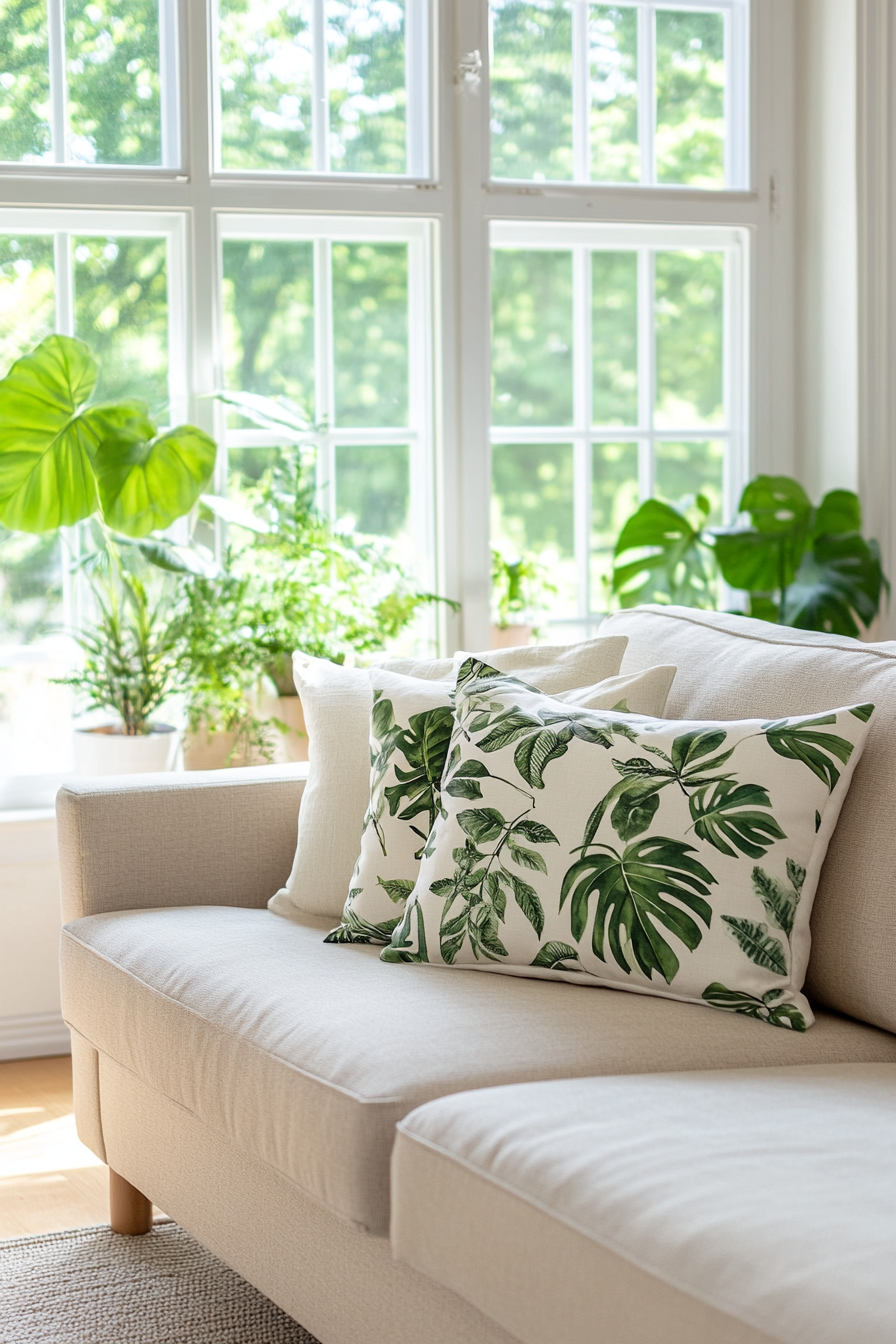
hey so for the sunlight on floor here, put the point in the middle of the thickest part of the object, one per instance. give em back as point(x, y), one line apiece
point(51, 1146)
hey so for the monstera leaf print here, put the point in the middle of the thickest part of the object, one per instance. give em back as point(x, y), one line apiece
point(764, 1009)
point(402, 948)
point(803, 742)
point(726, 815)
point(632, 908)
point(424, 746)
point(723, 818)
point(384, 734)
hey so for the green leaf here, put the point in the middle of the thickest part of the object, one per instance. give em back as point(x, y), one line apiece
point(481, 824)
point(424, 745)
point(463, 788)
point(760, 946)
point(401, 947)
point(673, 564)
point(693, 746)
point(796, 875)
point(725, 815)
point(766, 558)
point(780, 904)
point(862, 712)
point(837, 587)
point(537, 751)
point(145, 483)
point(840, 511)
point(354, 929)
point(631, 891)
point(526, 898)
point(174, 559)
point(396, 888)
point(46, 448)
point(737, 1001)
point(553, 956)
point(382, 718)
point(534, 831)
point(801, 742)
point(278, 413)
point(230, 512)
point(526, 858)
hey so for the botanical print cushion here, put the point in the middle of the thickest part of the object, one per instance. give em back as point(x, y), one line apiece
point(670, 858)
point(336, 702)
point(410, 728)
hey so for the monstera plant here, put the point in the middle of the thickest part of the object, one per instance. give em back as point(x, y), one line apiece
point(65, 458)
point(798, 565)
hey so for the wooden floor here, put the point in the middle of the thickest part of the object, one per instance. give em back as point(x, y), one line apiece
point(48, 1180)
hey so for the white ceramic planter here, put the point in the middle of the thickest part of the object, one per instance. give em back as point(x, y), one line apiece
point(108, 751)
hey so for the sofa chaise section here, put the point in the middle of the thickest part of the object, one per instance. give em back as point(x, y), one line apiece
point(740, 1206)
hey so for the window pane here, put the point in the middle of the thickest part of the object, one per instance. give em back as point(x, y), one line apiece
point(268, 301)
point(365, 40)
point(114, 108)
point(532, 511)
point(373, 488)
point(24, 80)
point(30, 586)
point(614, 328)
point(264, 66)
point(614, 498)
point(684, 470)
point(121, 311)
point(246, 466)
point(689, 313)
point(27, 295)
point(690, 89)
point(531, 89)
point(613, 35)
point(531, 337)
point(370, 334)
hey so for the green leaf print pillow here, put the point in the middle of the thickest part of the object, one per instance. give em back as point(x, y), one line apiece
point(670, 858)
point(411, 725)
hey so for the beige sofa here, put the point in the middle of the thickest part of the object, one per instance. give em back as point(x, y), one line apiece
point(567, 1164)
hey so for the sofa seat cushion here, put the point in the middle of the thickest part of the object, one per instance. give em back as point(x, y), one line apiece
point(736, 1206)
point(308, 1054)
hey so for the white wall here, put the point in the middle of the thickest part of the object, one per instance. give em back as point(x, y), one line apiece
point(826, 394)
point(30, 920)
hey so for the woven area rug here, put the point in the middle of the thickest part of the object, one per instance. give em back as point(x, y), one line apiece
point(94, 1287)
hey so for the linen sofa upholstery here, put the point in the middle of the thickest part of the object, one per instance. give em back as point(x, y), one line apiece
point(730, 667)
point(737, 1206)
point(307, 1054)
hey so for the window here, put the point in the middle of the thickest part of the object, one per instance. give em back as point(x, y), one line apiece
point(522, 263)
point(618, 372)
point(623, 93)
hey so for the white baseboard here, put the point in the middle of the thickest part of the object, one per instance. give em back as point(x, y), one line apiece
point(33, 1036)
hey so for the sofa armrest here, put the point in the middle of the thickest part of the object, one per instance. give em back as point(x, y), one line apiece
point(209, 837)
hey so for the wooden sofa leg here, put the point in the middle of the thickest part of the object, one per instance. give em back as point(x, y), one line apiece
point(130, 1212)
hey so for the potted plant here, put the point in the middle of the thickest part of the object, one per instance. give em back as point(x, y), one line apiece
point(290, 581)
point(519, 587)
point(798, 565)
point(64, 459)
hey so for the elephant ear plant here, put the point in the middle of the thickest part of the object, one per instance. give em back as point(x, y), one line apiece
point(798, 565)
point(64, 459)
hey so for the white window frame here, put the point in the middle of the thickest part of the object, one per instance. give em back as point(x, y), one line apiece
point(418, 113)
point(458, 205)
point(418, 434)
point(645, 240)
point(736, 18)
point(169, 103)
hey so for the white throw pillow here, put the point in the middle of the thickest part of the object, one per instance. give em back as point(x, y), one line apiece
point(337, 702)
point(670, 858)
point(410, 728)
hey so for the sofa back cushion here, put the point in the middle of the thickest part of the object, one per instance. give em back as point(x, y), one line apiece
point(730, 667)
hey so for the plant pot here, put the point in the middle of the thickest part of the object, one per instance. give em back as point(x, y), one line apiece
point(511, 636)
point(292, 745)
point(209, 750)
point(106, 750)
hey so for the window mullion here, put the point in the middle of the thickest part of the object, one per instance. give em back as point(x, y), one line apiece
point(647, 93)
point(582, 417)
point(580, 92)
point(64, 282)
point(324, 399)
point(320, 101)
point(56, 39)
point(646, 369)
